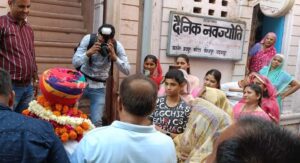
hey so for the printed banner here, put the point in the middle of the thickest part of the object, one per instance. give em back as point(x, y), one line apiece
point(205, 37)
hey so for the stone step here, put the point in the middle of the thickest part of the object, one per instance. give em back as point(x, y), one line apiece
point(56, 20)
point(45, 63)
point(54, 49)
point(57, 34)
point(57, 6)
point(79, 1)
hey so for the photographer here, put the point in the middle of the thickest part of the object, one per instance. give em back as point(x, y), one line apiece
point(95, 62)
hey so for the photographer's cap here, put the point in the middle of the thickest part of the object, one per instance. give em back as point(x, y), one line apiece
point(107, 30)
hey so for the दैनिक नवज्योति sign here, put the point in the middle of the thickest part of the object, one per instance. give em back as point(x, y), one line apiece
point(205, 37)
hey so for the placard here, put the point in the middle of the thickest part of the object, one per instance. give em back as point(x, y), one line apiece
point(205, 37)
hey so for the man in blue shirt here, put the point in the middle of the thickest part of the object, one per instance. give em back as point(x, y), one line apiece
point(132, 139)
point(24, 139)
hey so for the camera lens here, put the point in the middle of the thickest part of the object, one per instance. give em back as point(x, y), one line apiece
point(104, 50)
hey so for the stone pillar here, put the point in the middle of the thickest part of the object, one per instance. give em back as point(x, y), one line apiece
point(98, 15)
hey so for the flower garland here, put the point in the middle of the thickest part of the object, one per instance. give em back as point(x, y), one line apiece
point(69, 123)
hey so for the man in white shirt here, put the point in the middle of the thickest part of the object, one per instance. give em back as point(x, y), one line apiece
point(93, 58)
point(133, 138)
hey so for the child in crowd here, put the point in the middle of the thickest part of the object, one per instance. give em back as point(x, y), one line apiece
point(171, 113)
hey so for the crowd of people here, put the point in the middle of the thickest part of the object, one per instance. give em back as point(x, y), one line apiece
point(169, 117)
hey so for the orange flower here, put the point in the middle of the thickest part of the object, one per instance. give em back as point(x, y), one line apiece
point(75, 111)
point(58, 107)
point(85, 125)
point(57, 113)
point(57, 131)
point(73, 135)
point(41, 99)
point(46, 104)
point(48, 108)
point(62, 130)
point(79, 130)
point(65, 109)
point(25, 112)
point(83, 116)
point(64, 137)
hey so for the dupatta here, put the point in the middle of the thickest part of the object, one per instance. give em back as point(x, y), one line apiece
point(205, 124)
point(157, 74)
point(278, 77)
point(268, 104)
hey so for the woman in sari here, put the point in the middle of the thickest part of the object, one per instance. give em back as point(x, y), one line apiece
point(283, 81)
point(251, 103)
point(261, 53)
point(152, 69)
point(269, 102)
point(205, 124)
point(213, 79)
point(183, 62)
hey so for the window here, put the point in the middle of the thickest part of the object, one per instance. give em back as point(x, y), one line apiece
point(197, 10)
point(211, 12)
point(223, 14)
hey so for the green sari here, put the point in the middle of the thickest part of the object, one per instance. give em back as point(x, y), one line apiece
point(279, 78)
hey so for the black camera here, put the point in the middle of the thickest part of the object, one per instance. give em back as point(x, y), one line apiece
point(104, 49)
point(107, 33)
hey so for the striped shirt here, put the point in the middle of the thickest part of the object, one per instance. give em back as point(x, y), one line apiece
point(17, 54)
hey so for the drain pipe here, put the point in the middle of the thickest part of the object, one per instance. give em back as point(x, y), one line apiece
point(146, 35)
point(104, 11)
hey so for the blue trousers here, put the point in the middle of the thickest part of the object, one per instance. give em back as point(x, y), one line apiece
point(97, 102)
point(23, 96)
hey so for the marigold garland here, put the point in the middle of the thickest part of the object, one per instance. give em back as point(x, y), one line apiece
point(69, 123)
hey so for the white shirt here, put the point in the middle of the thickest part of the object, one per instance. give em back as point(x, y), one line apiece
point(126, 143)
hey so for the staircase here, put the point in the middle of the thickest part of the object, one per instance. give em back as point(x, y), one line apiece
point(58, 26)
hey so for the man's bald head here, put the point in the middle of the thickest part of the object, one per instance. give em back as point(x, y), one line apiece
point(138, 95)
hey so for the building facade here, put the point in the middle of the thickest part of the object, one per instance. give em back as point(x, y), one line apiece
point(143, 28)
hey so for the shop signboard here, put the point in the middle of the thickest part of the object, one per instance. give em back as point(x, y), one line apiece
point(205, 37)
point(275, 8)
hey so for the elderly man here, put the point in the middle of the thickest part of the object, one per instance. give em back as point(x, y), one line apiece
point(24, 139)
point(133, 138)
point(17, 54)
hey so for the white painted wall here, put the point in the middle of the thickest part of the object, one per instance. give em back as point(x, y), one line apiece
point(3, 7)
point(231, 70)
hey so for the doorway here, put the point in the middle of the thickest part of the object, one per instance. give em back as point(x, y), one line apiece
point(262, 24)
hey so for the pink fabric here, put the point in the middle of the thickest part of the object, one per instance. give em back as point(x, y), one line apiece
point(238, 112)
point(157, 74)
point(263, 56)
point(269, 104)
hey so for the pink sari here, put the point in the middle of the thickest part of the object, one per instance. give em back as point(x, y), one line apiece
point(268, 104)
point(261, 57)
point(238, 112)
